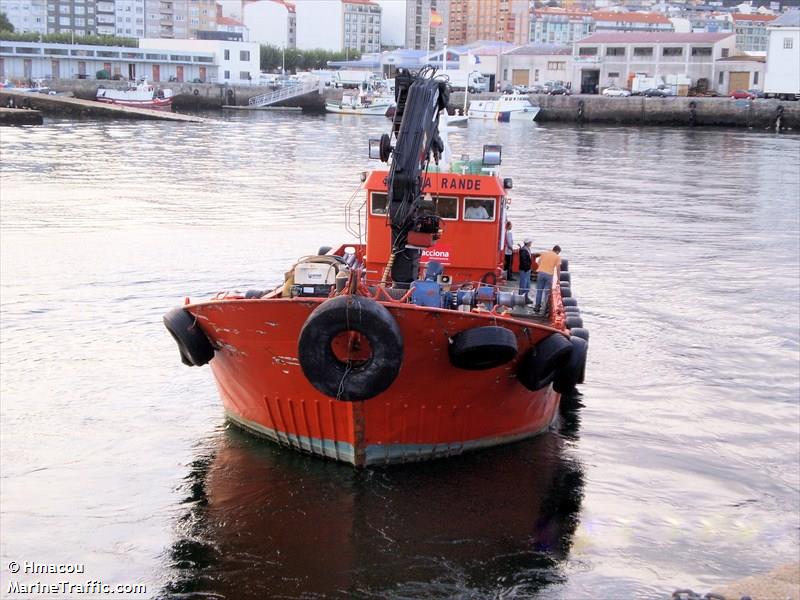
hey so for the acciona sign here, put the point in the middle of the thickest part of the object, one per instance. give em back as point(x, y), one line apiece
point(440, 253)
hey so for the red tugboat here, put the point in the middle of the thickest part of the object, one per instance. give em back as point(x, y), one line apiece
point(406, 347)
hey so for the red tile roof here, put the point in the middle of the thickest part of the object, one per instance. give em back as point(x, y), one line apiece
point(743, 17)
point(228, 21)
point(368, 2)
point(561, 12)
point(654, 38)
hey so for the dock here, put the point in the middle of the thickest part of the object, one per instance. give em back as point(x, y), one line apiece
point(61, 106)
point(20, 116)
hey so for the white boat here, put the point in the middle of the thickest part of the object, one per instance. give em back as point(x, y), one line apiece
point(508, 107)
point(141, 95)
point(361, 103)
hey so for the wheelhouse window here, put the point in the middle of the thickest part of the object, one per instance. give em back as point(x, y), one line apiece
point(479, 209)
point(377, 203)
point(446, 207)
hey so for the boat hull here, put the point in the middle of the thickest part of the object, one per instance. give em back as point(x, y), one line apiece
point(155, 104)
point(378, 110)
point(505, 116)
point(431, 410)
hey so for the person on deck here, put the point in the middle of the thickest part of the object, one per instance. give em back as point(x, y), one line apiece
point(549, 263)
point(508, 252)
point(525, 263)
point(476, 211)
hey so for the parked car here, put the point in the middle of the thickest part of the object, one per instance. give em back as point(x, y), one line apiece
point(757, 93)
point(535, 89)
point(742, 95)
point(559, 90)
point(656, 93)
point(615, 91)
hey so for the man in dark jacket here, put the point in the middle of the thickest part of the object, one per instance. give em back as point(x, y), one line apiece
point(525, 263)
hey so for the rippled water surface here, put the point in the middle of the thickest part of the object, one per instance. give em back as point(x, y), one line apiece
point(679, 470)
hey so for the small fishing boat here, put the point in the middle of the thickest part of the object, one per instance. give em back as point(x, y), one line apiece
point(408, 344)
point(138, 95)
point(361, 103)
point(508, 107)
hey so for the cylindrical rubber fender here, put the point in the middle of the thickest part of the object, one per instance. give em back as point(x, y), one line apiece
point(193, 344)
point(570, 302)
point(196, 92)
point(345, 380)
point(564, 276)
point(566, 292)
point(543, 361)
point(572, 373)
point(579, 332)
point(572, 310)
point(574, 321)
point(564, 264)
point(482, 348)
point(323, 250)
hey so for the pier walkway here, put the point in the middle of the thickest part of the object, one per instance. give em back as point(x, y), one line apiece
point(284, 93)
point(61, 105)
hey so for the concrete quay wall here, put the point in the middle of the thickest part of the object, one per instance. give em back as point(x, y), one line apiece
point(18, 116)
point(673, 110)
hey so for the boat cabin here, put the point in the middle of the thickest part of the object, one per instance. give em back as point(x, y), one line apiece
point(473, 208)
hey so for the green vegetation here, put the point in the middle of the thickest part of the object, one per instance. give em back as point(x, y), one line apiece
point(103, 74)
point(5, 24)
point(67, 38)
point(300, 60)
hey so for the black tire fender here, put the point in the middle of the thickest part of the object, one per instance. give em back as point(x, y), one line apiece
point(566, 292)
point(579, 332)
point(574, 321)
point(338, 379)
point(564, 276)
point(543, 361)
point(572, 310)
point(482, 348)
point(572, 373)
point(195, 348)
point(564, 264)
point(196, 92)
point(324, 250)
point(570, 301)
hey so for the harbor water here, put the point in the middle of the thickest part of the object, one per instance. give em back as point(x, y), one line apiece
point(677, 468)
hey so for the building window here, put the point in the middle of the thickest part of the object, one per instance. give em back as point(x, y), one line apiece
point(643, 51)
point(244, 55)
point(556, 66)
point(227, 57)
point(721, 77)
point(673, 52)
point(613, 74)
point(64, 21)
point(244, 75)
point(615, 51)
point(701, 51)
point(227, 74)
point(725, 52)
point(755, 77)
point(587, 52)
point(787, 43)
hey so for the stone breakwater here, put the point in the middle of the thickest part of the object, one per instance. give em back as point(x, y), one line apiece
point(635, 110)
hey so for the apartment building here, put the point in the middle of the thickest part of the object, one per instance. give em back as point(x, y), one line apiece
point(504, 20)
point(751, 31)
point(27, 16)
point(420, 35)
point(72, 16)
point(605, 59)
point(179, 19)
point(566, 26)
point(126, 20)
point(339, 25)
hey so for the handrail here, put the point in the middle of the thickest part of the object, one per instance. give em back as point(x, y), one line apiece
point(284, 93)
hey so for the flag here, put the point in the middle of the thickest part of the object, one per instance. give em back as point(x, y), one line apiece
point(436, 19)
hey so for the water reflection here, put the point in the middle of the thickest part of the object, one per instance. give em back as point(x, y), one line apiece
point(262, 521)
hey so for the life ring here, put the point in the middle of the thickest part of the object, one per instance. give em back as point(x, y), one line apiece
point(482, 348)
point(573, 372)
point(543, 361)
point(350, 380)
point(196, 92)
point(193, 344)
point(574, 321)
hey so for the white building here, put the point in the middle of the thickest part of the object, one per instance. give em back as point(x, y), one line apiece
point(337, 25)
point(393, 22)
point(268, 21)
point(605, 59)
point(535, 64)
point(237, 62)
point(26, 15)
point(24, 61)
point(783, 55)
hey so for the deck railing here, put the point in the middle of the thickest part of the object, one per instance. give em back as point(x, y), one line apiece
point(284, 93)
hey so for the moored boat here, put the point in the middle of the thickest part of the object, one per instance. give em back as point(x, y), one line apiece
point(508, 107)
point(409, 345)
point(361, 103)
point(141, 95)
